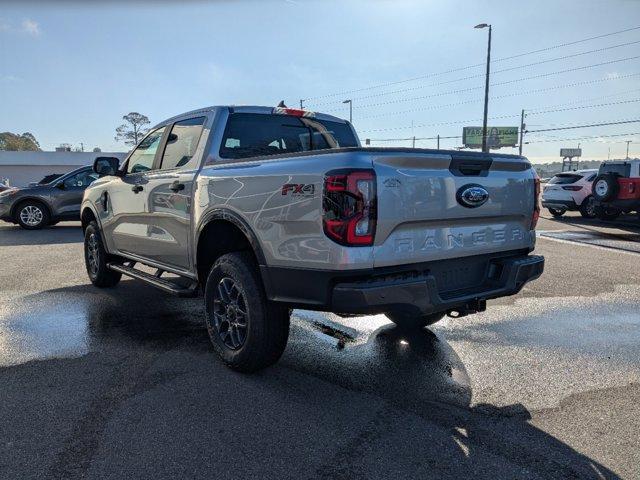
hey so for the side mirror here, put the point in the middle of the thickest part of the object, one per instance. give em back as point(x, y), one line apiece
point(106, 166)
point(60, 186)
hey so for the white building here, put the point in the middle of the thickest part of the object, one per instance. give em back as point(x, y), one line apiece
point(21, 168)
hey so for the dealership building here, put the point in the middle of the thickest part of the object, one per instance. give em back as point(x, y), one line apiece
point(21, 168)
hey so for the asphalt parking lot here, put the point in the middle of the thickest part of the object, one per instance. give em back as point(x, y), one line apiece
point(123, 383)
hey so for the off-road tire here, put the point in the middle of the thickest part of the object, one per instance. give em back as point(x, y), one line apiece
point(557, 212)
point(588, 207)
point(414, 322)
point(36, 208)
point(99, 274)
point(266, 324)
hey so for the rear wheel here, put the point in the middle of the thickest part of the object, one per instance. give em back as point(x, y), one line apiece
point(414, 322)
point(247, 331)
point(588, 207)
point(604, 213)
point(32, 215)
point(557, 212)
point(96, 259)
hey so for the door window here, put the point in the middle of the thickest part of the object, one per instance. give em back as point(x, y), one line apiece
point(141, 160)
point(81, 179)
point(182, 143)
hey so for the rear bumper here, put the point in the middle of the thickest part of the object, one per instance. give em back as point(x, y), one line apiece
point(412, 289)
point(560, 204)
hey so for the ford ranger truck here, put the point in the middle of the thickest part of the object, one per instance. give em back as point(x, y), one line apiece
point(269, 209)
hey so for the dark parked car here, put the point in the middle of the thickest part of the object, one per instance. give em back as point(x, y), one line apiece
point(37, 206)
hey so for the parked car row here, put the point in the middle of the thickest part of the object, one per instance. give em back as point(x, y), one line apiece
point(604, 193)
point(54, 199)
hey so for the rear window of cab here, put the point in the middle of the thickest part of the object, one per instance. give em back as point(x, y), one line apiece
point(251, 135)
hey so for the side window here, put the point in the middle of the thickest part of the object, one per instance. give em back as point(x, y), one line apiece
point(141, 160)
point(182, 143)
point(81, 179)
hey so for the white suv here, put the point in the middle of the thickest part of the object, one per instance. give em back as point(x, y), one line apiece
point(570, 191)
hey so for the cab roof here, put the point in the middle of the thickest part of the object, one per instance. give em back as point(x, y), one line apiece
point(249, 109)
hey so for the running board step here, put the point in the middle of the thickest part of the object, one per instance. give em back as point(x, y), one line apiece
point(155, 280)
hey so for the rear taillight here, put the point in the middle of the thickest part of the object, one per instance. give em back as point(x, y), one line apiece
point(536, 203)
point(349, 207)
point(572, 188)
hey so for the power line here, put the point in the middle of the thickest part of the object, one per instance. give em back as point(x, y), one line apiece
point(584, 126)
point(514, 94)
point(430, 75)
point(507, 82)
point(411, 138)
point(418, 87)
point(497, 117)
point(585, 138)
point(538, 112)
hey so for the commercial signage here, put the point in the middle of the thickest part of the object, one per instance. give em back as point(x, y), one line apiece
point(497, 137)
point(570, 152)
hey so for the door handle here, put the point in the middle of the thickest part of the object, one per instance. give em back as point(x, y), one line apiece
point(137, 188)
point(176, 186)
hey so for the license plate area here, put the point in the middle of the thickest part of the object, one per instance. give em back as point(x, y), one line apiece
point(460, 274)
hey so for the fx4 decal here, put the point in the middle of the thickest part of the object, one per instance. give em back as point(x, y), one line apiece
point(299, 189)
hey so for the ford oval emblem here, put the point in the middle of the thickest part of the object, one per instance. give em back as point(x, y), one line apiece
point(472, 196)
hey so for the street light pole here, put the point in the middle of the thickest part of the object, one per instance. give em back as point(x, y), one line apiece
point(628, 142)
point(521, 132)
point(350, 110)
point(486, 89)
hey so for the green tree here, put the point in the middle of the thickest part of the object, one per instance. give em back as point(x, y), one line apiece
point(15, 142)
point(132, 131)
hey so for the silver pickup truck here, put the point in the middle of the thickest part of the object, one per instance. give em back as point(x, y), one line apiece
point(269, 209)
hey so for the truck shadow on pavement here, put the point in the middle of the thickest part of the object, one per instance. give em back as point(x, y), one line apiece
point(390, 405)
point(14, 235)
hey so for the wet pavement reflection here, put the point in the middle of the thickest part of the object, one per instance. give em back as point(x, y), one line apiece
point(379, 358)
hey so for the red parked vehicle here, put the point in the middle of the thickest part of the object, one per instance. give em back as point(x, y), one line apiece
point(616, 189)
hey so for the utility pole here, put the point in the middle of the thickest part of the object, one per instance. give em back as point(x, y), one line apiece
point(350, 110)
point(486, 89)
point(413, 145)
point(438, 141)
point(628, 142)
point(521, 132)
point(301, 107)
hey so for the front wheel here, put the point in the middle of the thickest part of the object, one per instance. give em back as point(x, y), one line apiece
point(96, 258)
point(414, 322)
point(588, 207)
point(247, 331)
point(32, 215)
point(557, 212)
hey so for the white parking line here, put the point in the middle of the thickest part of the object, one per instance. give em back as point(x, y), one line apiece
point(582, 244)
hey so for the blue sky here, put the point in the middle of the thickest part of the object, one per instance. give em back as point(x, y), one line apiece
point(69, 71)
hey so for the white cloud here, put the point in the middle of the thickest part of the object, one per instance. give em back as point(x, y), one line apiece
point(31, 27)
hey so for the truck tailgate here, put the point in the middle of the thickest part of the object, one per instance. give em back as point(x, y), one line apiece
point(422, 218)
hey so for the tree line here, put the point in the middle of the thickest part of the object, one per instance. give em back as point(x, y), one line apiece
point(130, 133)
